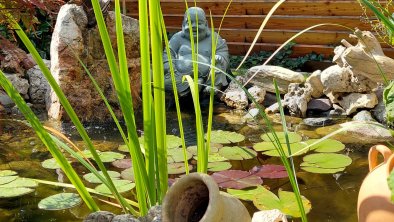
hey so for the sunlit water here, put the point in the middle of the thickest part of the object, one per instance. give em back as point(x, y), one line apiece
point(333, 197)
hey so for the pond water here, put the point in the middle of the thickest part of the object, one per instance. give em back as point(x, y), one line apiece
point(333, 196)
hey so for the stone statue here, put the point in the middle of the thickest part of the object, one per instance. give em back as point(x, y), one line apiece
point(181, 54)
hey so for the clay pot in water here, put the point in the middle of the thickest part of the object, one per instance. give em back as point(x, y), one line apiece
point(196, 198)
point(374, 203)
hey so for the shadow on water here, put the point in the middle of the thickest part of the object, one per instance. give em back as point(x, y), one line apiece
point(333, 196)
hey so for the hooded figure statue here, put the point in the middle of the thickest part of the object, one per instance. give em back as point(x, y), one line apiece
point(181, 54)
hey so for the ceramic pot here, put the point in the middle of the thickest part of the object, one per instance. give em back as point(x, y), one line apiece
point(196, 197)
point(374, 203)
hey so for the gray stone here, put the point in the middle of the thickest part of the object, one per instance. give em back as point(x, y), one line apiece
point(99, 216)
point(337, 111)
point(297, 98)
point(363, 115)
point(38, 84)
point(319, 104)
point(20, 84)
point(154, 215)
point(354, 101)
point(71, 39)
point(269, 99)
point(252, 113)
point(315, 82)
point(379, 112)
point(5, 100)
point(321, 121)
point(263, 77)
point(125, 218)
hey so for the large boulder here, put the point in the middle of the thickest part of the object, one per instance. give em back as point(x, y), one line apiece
point(354, 101)
point(38, 84)
point(315, 82)
point(263, 76)
point(19, 83)
point(336, 79)
point(72, 39)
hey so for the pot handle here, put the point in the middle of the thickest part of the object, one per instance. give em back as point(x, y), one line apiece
point(373, 155)
point(390, 165)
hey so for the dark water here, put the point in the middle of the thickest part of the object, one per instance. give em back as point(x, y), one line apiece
point(333, 197)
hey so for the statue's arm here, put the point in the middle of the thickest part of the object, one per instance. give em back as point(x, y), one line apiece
point(222, 55)
point(174, 47)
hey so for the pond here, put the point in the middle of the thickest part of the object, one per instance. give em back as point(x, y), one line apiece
point(333, 196)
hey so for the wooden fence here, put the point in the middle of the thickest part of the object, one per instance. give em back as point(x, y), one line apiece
point(244, 17)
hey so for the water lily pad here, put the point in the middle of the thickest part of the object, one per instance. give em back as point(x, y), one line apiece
point(237, 153)
point(326, 146)
point(176, 155)
point(128, 174)
point(7, 179)
point(285, 202)
point(214, 157)
point(269, 171)
point(122, 164)
point(247, 194)
point(172, 141)
point(110, 156)
point(60, 201)
point(219, 166)
point(121, 185)
point(178, 168)
point(293, 137)
point(51, 164)
point(4, 173)
point(236, 179)
point(91, 178)
point(20, 182)
point(123, 148)
point(87, 154)
point(325, 162)
point(225, 137)
point(269, 149)
point(193, 149)
point(8, 192)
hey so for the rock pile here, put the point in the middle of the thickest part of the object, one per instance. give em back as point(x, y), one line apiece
point(351, 85)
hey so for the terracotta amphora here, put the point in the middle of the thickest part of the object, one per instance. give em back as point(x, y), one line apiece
point(196, 198)
point(374, 203)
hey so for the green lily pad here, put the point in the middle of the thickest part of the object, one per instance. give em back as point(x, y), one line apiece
point(110, 156)
point(193, 150)
point(172, 141)
point(237, 153)
point(60, 201)
point(293, 137)
point(4, 173)
point(123, 148)
point(247, 194)
point(214, 157)
point(219, 166)
point(285, 202)
point(91, 178)
point(326, 146)
point(225, 137)
point(178, 168)
point(51, 164)
point(7, 179)
point(20, 182)
point(325, 162)
point(121, 185)
point(269, 149)
point(8, 192)
point(128, 174)
point(176, 155)
point(87, 154)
